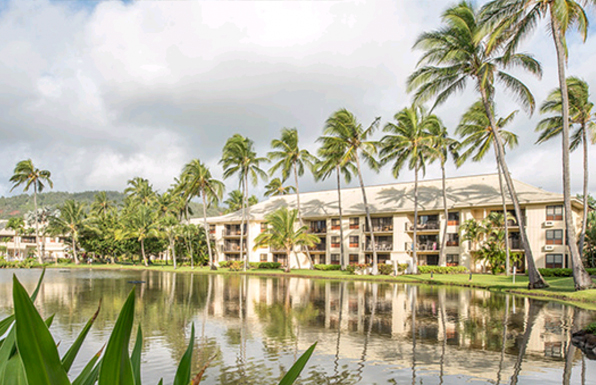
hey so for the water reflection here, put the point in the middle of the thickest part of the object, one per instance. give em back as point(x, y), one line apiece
point(252, 329)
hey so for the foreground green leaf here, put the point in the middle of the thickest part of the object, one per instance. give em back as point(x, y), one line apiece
point(295, 370)
point(116, 367)
point(35, 344)
point(72, 352)
point(183, 372)
point(135, 358)
point(88, 375)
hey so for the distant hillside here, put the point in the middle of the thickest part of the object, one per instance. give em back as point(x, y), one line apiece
point(20, 204)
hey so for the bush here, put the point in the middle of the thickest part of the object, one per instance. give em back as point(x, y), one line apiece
point(225, 264)
point(591, 328)
point(443, 269)
point(385, 269)
point(402, 267)
point(556, 272)
point(236, 266)
point(265, 265)
point(64, 260)
point(351, 269)
point(327, 267)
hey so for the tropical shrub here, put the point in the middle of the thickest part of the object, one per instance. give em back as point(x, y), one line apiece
point(402, 267)
point(236, 266)
point(385, 269)
point(265, 265)
point(225, 264)
point(327, 267)
point(29, 354)
point(357, 268)
point(562, 272)
point(443, 269)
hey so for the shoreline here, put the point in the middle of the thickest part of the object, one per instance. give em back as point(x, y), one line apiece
point(561, 288)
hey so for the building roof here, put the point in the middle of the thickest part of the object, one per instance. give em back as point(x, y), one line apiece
point(462, 192)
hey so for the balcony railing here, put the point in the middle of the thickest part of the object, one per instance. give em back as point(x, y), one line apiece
point(383, 228)
point(431, 225)
point(232, 232)
point(317, 229)
point(380, 246)
point(423, 246)
point(515, 244)
point(318, 247)
point(452, 243)
point(234, 248)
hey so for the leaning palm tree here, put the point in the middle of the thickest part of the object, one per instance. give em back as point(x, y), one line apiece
point(276, 188)
point(512, 21)
point(459, 52)
point(329, 161)
point(291, 159)
point(199, 182)
point(239, 158)
point(478, 139)
point(580, 115)
point(409, 140)
point(282, 233)
point(345, 135)
point(72, 219)
point(26, 174)
point(445, 146)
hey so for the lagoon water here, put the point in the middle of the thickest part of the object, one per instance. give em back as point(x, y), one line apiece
point(254, 328)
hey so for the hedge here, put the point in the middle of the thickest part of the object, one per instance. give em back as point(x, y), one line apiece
point(562, 272)
point(443, 269)
point(265, 265)
point(327, 267)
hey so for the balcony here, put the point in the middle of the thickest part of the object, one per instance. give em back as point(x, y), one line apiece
point(380, 246)
point(232, 231)
point(432, 247)
point(515, 244)
point(430, 225)
point(318, 248)
point(233, 247)
point(28, 239)
point(452, 243)
point(317, 227)
point(380, 225)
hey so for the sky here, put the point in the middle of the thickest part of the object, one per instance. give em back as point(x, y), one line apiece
point(101, 92)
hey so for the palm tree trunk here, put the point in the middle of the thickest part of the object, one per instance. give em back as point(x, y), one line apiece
point(375, 267)
point(207, 233)
point(506, 224)
point(143, 253)
point(415, 241)
point(246, 219)
point(300, 219)
point(74, 250)
point(442, 258)
point(342, 258)
point(288, 253)
point(173, 251)
point(580, 276)
point(582, 234)
point(535, 278)
point(39, 256)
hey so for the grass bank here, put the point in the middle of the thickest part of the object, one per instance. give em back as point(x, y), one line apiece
point(561, 288)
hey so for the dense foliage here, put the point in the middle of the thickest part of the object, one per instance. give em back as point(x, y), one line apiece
point(443, 269)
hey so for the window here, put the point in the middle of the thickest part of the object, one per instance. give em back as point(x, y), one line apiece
point(354, 243)
point(554, 213)
point(453, 239)
point(553, 349)
point(335, 224)
point(263, 227)
point(354, 223)
point(281, 258)
point(263, 257)
point(335, 259)
point(452, 259)
point(335, 242)
point(554, 261)
point(354, 259)
point(554, 237)
point(452, 219)
point(211, 229)
point(318, 227)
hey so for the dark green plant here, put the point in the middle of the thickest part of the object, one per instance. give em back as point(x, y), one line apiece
point(385, 269)
point(327, 267)
point(443, 269)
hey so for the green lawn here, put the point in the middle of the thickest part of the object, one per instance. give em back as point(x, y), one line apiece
point(561, 289)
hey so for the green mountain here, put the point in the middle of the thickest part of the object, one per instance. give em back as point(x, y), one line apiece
point(18, 205)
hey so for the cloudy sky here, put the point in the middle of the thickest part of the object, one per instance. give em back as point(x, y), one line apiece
point(100, 92)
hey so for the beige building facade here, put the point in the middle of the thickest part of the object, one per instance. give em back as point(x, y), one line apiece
point(22, 246)
point(392, 211)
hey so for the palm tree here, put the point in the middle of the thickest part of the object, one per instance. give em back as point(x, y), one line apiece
point(515, 19)
point(140, 191)
point(169, 228)
point(345, 135)
point(16, 224)
point(140, 222)
point(102, 205)
point(445, 146)
point(236, 199)
point(291, 159)
point(477, 136)
point(26, 174)
point(199, 182)
point(580, 115)
point(72, 219)
point(276, 188)
point(330, 161)
point(459, 51)
point(409, 141)
point(282, 233)
point(239, 158)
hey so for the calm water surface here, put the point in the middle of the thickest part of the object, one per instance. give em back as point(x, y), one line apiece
point(254, 328)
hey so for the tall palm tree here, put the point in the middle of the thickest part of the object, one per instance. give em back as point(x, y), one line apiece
point(16, 224)
point(514, 20)
point(409, 140)
point(102, 204)
point(199, 182)
point(140, 191)
point(580, 115)
point(25, 173)
point(282, 233)
point(345, 135)
point(239, 158)
point(236, 199)
point(475, 129)
point(169, 227)
point(140, 222)
point(276, 188)
point(329, 161)
point(445, 146)
point(72, 219)
point(459, 52)
point(291, 159)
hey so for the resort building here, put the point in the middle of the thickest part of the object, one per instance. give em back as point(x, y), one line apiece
point(392, 211)
point(21, 246)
